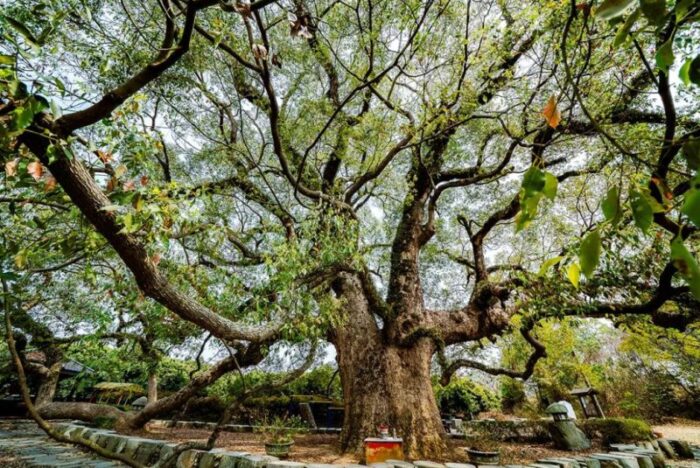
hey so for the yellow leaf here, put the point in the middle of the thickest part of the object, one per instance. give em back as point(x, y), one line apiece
point(551, 114)
point(21, 259)
point(574, 274)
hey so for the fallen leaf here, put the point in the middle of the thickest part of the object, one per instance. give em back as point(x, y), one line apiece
point(35, 169)
point(11, 167)
point(551, 113)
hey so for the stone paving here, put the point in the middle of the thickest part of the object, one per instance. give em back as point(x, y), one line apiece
point(32, 448)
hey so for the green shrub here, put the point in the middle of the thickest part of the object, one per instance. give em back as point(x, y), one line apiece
point(462, 396)
point(617, 430)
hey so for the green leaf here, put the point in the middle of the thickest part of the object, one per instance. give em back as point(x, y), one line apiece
point(589, 253)
point(550, 186)
point(610, 9)
point(664, 56)
point(547, 264)
point(533, 180)
point(690, 71)
point(23, 117)
point(611, 206)
point(686, 265)
point(654, 10)
point(691, 153)
point(573, 273)
point(22, 30)
point(625, 29)
point(7, 60)
point(641, 211)
point(531, 192)
point(691, 205)
point(694, 71)
point(682, 7)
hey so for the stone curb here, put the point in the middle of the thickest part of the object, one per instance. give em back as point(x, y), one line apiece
point(150, 451)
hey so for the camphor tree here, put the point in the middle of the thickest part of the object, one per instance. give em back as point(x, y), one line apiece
point(368, 172)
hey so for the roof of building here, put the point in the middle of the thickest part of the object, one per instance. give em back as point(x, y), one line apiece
point(584, 391)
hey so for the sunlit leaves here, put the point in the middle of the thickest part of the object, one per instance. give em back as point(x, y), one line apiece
point(7, 60)
point(551, 113)
point(573, 273)
point(589, 253)
point(610, 9)
point(686, 265)
point(626, 27)
point(547, 264)
point(550, 186)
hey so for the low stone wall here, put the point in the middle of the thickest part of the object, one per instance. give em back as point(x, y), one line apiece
point(508, 431)
point(150, 452)
point(228, 427)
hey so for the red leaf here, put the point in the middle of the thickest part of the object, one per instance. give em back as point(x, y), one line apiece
point(551, 113)
point(144, 180)
point(129, 185)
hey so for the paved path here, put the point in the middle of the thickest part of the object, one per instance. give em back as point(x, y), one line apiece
point(23, 444)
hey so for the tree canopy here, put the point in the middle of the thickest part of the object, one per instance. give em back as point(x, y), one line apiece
point(394, 178)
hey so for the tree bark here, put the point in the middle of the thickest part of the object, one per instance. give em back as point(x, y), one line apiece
point(47, 388)
point(152, 387)
point(384, 383)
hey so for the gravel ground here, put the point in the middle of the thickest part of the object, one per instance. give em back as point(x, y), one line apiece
point(323, 448)
point(683, 429)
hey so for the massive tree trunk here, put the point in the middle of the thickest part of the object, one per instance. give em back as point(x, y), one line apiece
point(384, 383)
point(47, 388)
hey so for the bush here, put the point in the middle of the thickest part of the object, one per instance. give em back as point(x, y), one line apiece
point(617, 430)
point(462, 396)
point(512, 394)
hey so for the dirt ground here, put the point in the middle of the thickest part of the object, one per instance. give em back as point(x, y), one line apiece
point(684, 429)
point(322, 448)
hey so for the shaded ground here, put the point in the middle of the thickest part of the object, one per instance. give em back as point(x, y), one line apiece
point(324, 448)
